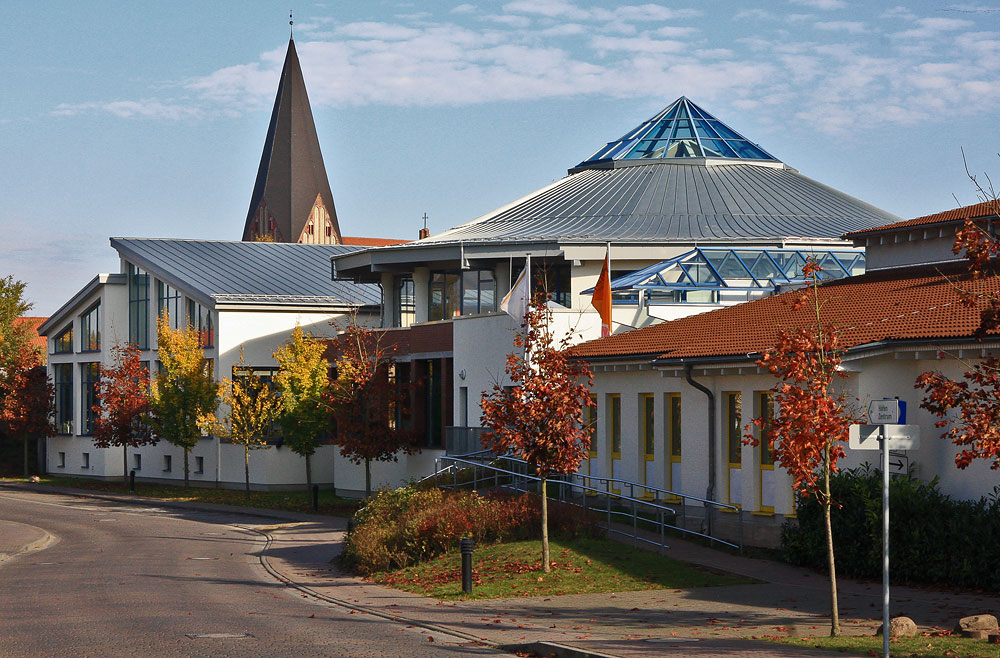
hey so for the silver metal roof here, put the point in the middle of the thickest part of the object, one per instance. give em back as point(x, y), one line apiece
point(251, 273)
point(669, 201)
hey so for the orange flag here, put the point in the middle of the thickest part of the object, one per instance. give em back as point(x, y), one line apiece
point(602, 295)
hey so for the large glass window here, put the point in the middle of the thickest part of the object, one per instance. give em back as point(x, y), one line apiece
point(614, 408)
point(734, 434)
point(90, 330)
point(63, 381)
point(674, 407)
point(90, 373)
point(138, 307)
point(647, 425)
point(168, 299)
point(63, 343)
point(461, 293)
point(201, 319)
point(590, 421)
point(406, 300)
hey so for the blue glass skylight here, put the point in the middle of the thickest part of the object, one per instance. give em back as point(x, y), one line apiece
point(738, 269)
point(682, 130)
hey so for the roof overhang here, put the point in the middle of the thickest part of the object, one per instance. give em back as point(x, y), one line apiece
point(201, 296)
point(76, 300)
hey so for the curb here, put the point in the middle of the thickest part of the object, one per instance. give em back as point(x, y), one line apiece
point(548, 649)
point(43, 542)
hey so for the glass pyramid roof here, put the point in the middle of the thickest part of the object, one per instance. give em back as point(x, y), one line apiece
point(682, 130)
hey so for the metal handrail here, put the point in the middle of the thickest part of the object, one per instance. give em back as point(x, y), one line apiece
point(662, 511)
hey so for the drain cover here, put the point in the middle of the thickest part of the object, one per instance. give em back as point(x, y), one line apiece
point(217, 636)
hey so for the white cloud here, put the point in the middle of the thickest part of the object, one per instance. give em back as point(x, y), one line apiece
point(509, 20)
point(758, 14)
point(825, 5)
point(929, 28)
point(125, 109)
point(849, 27)
point(465, 8)
point(642, 44)
point(672, 32)
point(374, 30)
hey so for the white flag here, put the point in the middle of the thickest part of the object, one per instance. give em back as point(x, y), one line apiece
point(515, 302)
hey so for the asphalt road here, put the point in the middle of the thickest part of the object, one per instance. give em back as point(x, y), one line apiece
point(145, 581)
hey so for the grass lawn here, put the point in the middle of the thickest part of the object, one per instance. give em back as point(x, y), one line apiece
point(921, 646)
point(580, 566)
point(292, 501)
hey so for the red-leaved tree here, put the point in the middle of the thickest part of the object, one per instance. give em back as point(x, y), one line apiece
point(540, 417)
point(121, 408)
point(27, 397)
point(366, 401)
point(807, 436)
point(976, 396)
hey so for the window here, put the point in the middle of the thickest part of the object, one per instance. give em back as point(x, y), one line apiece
point(461, 293)
point(647, 425)
point(86, 460)
point(63, 343)
point(201, 319)
point(623, 296)
point(614, 403)
point(89, 374)
point(765, 411)
point(167, 463)
point(61, 463)
point(590, 420)
point(406, 300)
point(554, 278)
point(90, 330)
point(734, 436)
point(137, 462)
point(138, 307)
point(199, 465)
point(63, 381)
point(463, 406)
point(674, 410)
point(168, 299)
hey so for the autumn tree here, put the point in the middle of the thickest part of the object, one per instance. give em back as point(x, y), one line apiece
point(183, 391)
point(302, 382)
point(13, 336)
point(251, 409)
point(122, 404)
point(366, 401)
point(976, 396)
point(540, 418)
point(27, 397)
point(807, 436)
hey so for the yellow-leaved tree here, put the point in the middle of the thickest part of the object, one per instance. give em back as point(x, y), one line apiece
point(252, 407)
point(183, 391)
point(302, 381)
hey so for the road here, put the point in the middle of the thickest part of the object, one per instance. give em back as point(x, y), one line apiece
point(143, 581)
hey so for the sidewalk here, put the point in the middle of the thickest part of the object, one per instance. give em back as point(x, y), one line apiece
point(18, 538)
point(710, 621)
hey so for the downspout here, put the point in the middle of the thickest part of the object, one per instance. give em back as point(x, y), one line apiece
point(710, 493)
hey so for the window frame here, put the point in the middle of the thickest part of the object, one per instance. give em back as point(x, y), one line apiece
point(59, 343)
point(90, 329)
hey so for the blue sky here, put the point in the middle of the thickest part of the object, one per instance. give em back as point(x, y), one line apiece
point(147, 118)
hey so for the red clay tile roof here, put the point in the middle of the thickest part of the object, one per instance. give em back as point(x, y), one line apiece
point(33, 323)
point(948, 216)
point(371, 242)
point(902, 304)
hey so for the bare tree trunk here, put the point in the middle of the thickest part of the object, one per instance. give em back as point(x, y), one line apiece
point(309, 477)
point(827, 503)
point(368, 478)
point(125, 464)
point(187, 482)
point(545, 528)
point(246, 469)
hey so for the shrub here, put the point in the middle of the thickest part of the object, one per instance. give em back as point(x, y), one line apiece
point(405, 526)
point(933, 539)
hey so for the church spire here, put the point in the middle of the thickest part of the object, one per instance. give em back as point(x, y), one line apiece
point(292, 201)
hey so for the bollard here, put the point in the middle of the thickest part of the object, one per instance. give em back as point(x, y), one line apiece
point(131, 482)
point(315, 497)
point(466, 545)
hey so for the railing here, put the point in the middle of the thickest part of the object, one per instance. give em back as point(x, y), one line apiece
point(623, 514)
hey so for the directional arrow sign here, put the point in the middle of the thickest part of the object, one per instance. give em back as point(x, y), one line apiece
point(901, 437)
point(898, 464)
point(883, 411)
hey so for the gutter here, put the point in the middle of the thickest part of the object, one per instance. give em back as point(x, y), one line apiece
point(710, 492)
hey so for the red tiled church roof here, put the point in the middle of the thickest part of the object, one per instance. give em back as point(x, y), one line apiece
point(371, 242)
point(902, 304)
point(983, 209)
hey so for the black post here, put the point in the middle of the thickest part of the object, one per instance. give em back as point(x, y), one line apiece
point(131, 482)
point(466, 545)
point(350, 526)
point(315, 497)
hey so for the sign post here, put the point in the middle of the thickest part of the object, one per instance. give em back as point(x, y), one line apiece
point(885, 436)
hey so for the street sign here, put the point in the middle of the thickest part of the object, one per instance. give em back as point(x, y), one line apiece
point(901, 437)
point(883, 411)
point(898, 464)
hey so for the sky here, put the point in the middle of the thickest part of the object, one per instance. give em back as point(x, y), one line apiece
point(147, 119)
